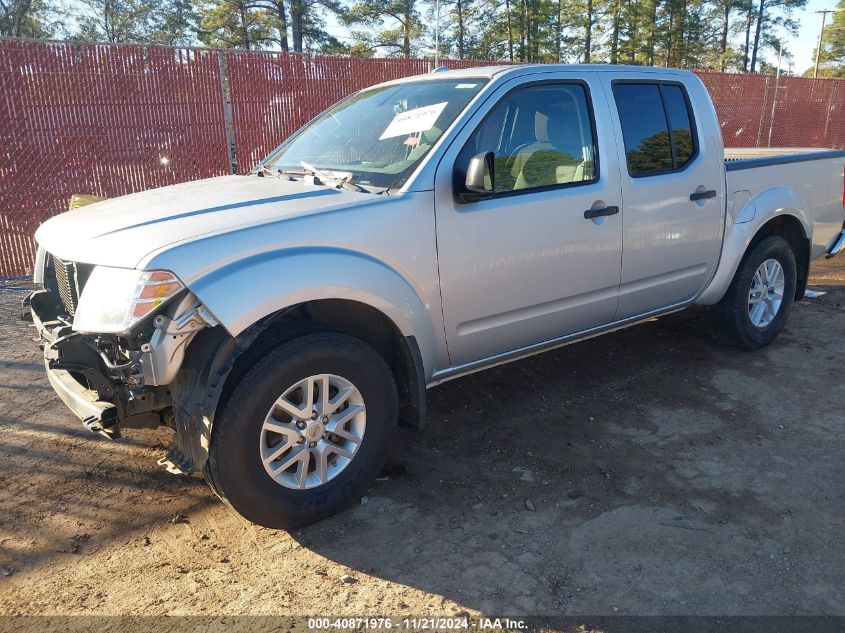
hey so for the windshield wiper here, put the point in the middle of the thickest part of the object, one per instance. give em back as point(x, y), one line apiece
point(263, 171)
point(344, 181)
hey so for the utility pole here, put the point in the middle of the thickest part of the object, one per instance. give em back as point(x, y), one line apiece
point(437, 34)
point(775, 99)
point(824, 13)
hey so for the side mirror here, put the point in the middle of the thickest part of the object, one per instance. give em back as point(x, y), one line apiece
point(480, 180)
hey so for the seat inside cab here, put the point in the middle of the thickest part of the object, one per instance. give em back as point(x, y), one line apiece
point(541, 136)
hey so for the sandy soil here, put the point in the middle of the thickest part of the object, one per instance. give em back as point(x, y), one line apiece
point(644, 472)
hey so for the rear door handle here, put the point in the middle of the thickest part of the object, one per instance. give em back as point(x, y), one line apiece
point(591, 214)
point(702, 195)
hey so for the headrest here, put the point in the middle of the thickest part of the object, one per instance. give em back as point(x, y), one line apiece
point(557, 125)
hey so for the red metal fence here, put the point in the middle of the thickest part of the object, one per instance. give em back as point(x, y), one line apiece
point(764, 111)
point(102, 120)
point(112, 119)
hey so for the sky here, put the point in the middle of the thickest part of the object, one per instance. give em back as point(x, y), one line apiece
point(804, 46)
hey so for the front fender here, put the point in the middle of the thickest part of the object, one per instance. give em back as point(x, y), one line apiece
point(741, 228)
point(247, 290)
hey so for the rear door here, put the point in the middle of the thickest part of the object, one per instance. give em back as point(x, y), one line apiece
point(672, 188)
point(531, 263)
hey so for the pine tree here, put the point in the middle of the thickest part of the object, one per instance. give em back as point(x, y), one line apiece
point(764, 20)
point(234, 24)
point(392, 26)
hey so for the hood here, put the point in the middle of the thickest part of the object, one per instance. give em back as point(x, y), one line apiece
point(122, 231)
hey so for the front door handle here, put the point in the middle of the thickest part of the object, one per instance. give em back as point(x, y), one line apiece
point(591, 214)
point(702, 195)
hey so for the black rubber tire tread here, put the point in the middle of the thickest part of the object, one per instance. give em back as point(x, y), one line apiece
point(729, 321)
point(234, 469)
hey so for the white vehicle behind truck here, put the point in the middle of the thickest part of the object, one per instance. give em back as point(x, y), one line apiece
point(284, 322)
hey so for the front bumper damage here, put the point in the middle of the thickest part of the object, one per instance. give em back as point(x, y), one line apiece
point(116, 382)
point(105, 394)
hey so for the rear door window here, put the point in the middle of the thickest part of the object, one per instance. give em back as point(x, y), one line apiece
point(657, 127)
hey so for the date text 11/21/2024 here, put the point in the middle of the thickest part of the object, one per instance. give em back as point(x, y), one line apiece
point(418, 624)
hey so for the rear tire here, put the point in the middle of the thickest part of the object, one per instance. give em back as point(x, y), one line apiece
point(259, 431)
point(756, 306)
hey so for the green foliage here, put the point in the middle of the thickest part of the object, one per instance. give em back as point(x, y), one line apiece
point(28, 18)
point(136, 21)
point(726, 35)
point(391, 26)
point(234, 24)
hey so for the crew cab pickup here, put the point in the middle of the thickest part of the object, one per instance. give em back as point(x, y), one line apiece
point(284, 322)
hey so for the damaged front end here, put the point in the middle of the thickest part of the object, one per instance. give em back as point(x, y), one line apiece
point(116, 378)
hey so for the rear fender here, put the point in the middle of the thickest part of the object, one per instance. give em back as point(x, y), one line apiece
point(743, 225)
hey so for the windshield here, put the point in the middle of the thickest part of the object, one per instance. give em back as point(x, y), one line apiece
point(380, 135)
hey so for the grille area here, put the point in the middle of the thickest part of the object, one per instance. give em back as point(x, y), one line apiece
point(68, 281)
point(66, 284)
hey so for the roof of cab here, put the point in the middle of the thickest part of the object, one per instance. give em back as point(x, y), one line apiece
point(489, 72)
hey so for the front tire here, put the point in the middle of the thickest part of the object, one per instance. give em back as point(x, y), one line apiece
point(305, 431)
point(756, 306)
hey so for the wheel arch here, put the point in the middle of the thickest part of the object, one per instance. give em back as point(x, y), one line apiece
point(790, 223)
point(216, 361)
point(247, 292)
point(400, 352)
point(790, 228)
point(266, 298)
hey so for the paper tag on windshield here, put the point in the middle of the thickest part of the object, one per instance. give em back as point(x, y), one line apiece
point(411, 121)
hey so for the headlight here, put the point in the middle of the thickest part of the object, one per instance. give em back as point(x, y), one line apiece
point(114, 300)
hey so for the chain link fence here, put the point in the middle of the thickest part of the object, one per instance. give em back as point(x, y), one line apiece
point(108, 120)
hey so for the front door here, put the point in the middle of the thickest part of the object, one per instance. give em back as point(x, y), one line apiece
point(541, 257)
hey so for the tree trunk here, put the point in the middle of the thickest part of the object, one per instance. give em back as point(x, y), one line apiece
point(296, 24)
point(461, 47)
point(522, 31)
point(614, 40)
point(588, 36)
point(529, 24)
point(559, 29)
point(283, 24)
point(107, 21)
point(723, 40)
point(652, 33)
point(670, 40)
point(632, 31)
point(682, 36)
point(510, 29)
point(22, 11)
point(244, 25)
point(757, 35)
point(748, 22)
point(406, 31)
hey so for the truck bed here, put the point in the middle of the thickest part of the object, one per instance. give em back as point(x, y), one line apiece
point(808, 179)
point(748, 157)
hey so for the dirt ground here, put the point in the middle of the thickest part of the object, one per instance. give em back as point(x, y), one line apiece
point(644, 472)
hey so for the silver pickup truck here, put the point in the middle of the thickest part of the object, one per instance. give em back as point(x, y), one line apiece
point(284, 322)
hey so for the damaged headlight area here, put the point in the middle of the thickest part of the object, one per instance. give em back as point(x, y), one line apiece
point(115, 300)
point(114, 339)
